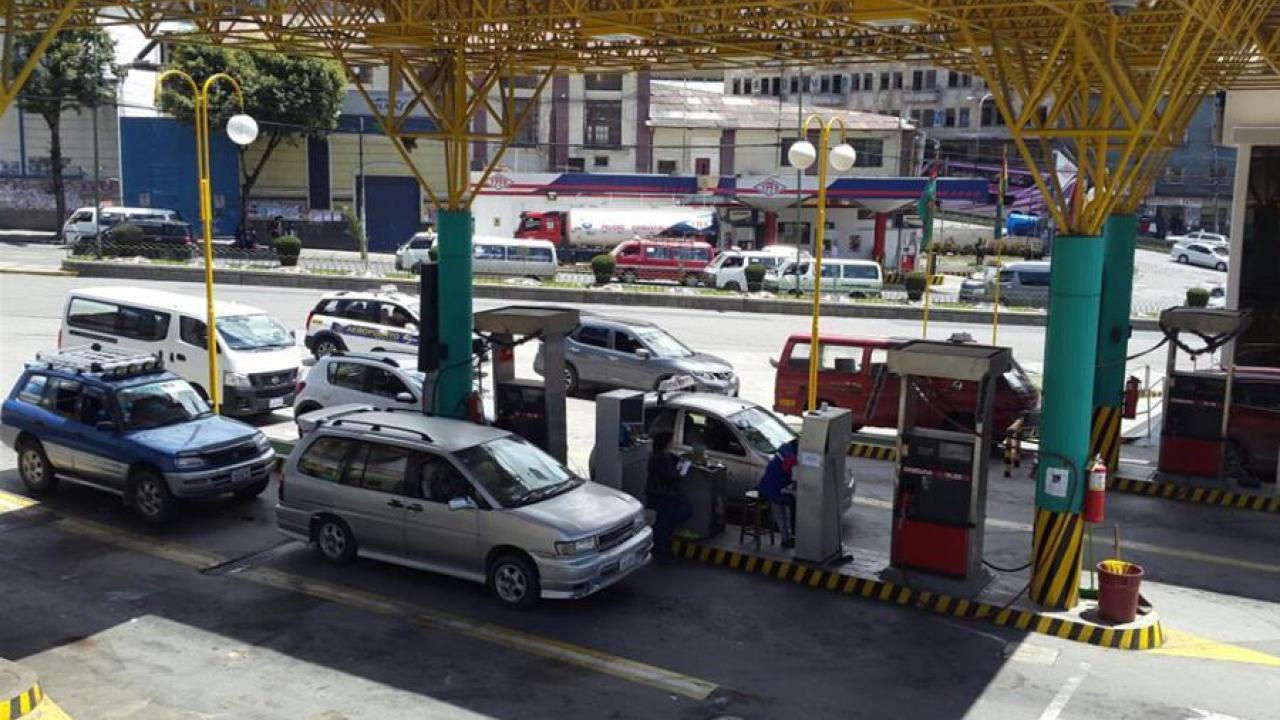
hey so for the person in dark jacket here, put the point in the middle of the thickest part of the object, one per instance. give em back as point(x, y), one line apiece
point(663, 496)
point(775, 486)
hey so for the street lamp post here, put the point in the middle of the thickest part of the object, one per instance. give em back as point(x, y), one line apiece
point(242, 130)
point(842, 157)
point(977, 138)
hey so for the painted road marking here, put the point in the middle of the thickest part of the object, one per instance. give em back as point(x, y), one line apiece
point(1193, 555)
point(1183, 644)
point(1059, 701)
point(579, 656)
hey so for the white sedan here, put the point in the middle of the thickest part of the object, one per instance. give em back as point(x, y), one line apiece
point(1198, 236)
point(1202, 254)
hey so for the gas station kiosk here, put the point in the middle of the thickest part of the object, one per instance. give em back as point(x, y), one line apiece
point(622, 449)
point(819, 475)
point(529, 407)
point(940, 492)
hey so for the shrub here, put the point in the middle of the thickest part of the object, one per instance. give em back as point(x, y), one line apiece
point(602, 266)
point(288, 248)
point(755, 273)
point(914, 283)
point(1197, 297)
point(126, 234)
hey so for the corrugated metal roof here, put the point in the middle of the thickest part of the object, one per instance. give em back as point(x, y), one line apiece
point(705, 105)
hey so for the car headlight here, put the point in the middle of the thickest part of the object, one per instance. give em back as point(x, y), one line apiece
point(234, 379)
point(188, 462)
point(705, 376)
point(570, 548)
point(261, 442)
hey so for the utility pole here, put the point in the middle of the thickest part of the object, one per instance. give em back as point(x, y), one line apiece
point(97, 189)
point(360, 200)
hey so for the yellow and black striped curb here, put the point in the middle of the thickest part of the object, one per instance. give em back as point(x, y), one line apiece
point(1142, 638)
point(1200, 495)
point(874, 451)
point(1057, 541)
point(1104, 439)
point(22, 704)
point(897, 278)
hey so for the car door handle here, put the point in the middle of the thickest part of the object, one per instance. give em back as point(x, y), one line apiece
point(415, 507)
point(395, 504)
point(181, 357)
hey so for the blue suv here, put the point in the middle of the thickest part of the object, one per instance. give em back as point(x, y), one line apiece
point(122, 423)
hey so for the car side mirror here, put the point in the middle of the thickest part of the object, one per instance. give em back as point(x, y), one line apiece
point(773, 363)
point(104, 426)
point(411, 327)
point(462, 503)
point(643, 354)
point(404, 397)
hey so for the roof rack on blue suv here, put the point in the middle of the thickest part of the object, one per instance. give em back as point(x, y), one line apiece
point(109, 363)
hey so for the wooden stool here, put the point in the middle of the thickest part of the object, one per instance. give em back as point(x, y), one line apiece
point(755, 519)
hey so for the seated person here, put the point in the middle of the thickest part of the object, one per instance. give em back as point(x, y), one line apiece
point(663, 496)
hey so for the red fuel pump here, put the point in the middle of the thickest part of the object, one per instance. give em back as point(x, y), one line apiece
point(1096, 493)
point(1131, 388)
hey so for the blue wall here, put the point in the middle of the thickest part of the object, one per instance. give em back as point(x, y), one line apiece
point(158, 160)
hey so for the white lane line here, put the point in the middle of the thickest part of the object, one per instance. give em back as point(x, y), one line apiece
point(1059, 701)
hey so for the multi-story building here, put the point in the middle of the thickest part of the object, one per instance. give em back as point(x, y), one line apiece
point(1195, 189)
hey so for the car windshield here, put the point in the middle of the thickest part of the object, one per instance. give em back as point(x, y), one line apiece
point(160, 403)
point(762, 429)
point(720, 260)
point(663, 345)
point(516, 472)
point(253, 332)
point(1220, 250)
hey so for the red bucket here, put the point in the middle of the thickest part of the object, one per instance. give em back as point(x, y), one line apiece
point(1118, 585)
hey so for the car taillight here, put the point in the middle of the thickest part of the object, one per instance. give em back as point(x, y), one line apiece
point(298, 386)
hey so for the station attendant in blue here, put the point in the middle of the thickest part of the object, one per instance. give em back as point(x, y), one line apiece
point(774, 486)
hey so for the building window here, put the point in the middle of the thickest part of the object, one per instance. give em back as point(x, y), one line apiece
point(953, 78)
point(854, 84)
point(600, 161)
point(927, 117)
point(737, 86)
point(837, 84)
point(577, 165)
point(808, 84)
point(604, 81)
point(917, 79)
point(870, 152)
point(963, 120)
point(795, 85)
point(746, 86)
point(527, 133)
point(702, 166)
point(966, 80)
point(777, 87)
point(915, 117)
point(1173, 174)
point(949, 117)
point(603, 126)
point(666, 167)
point(523, 82)
point(824, 84)
point(930, 79)
point(897, 81)
point(988, 114)
point(867, 81)
point(884, 81)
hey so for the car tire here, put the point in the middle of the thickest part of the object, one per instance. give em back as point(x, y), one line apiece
point(34, 468)
point(690, 280)
point(326, 345)
point(732, 286)
point(1183, 259)
point(513, 580)
point(1221, 267)
point(629, 277)
point(250, 492)
point(334, 540)
point(149, 496)
point(570, 379)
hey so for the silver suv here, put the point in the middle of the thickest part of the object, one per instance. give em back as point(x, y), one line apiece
point(456, 498)
point(377, 379)
point(634, 354)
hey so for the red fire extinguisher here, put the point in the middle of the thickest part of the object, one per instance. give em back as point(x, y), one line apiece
point(1096, 493)
point(1131, 387)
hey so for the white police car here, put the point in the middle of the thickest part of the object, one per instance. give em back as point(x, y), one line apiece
point(361, 321)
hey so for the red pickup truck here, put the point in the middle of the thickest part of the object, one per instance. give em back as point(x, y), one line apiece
point(854, 374)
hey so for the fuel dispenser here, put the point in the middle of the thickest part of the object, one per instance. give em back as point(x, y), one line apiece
point(1197, 404)
point(819, 475)
point(622, 449)
point(940, 493)
point(531, 408)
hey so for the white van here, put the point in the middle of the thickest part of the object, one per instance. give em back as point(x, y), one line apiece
point(509, 256)
point(258, 357)
point(81, 224)
point(728, 270)
point(855, 277)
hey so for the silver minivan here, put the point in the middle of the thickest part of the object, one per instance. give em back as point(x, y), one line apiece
point(456, 498)
point(1025, 283)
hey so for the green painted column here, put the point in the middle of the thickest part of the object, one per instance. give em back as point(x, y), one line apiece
point(1119, 237)
point(454, 229)
point(1071, 340)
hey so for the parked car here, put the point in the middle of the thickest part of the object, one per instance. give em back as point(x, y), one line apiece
point(466, 500)
point(855, 277)
point(853, 373)
point(363, 321)
point(978, 287)
point(376, 379)
point(258, 356)
point(534, 259)
point(1217, 296)
point(728, 270)
point(1197, 253)
point(120, 422)
point(1199, 236)
point(415, 251)
point(620, 353)
point(679, 260)
point(80, 223)
point(159, 238)
point(1025, 283)
point(1254, 422)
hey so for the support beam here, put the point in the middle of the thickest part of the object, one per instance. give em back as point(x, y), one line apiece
point(1119, 237)
point(454, 229)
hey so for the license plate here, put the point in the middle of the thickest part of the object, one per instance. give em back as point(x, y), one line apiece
point(275, 402)
point(240, 474)
point(627, 562)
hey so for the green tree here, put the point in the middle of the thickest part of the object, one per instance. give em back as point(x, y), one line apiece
point(73, 73)
point(290, 97)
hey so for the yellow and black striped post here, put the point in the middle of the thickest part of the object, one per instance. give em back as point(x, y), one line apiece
point(1104, 438)
point(1056, 544)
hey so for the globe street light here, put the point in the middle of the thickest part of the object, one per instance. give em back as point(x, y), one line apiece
point(841, 158)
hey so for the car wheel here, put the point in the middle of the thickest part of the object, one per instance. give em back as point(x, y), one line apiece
point(34, 468)
point(1221, 267)
point(513, 580)
point(334, 541)
point(1183, 259)
point(326, 345)
point(628, 277)
point(732, 286)
point(570, 379)
point(252, 491)
point(689, 280)
point(151, 497)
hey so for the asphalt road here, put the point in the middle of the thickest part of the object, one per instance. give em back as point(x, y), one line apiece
point(215, 616)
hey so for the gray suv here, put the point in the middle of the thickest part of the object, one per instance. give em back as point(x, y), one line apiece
point(456, 498)
point(638, 355)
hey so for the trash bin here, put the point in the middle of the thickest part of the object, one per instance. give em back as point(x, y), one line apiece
point(1118, 586)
